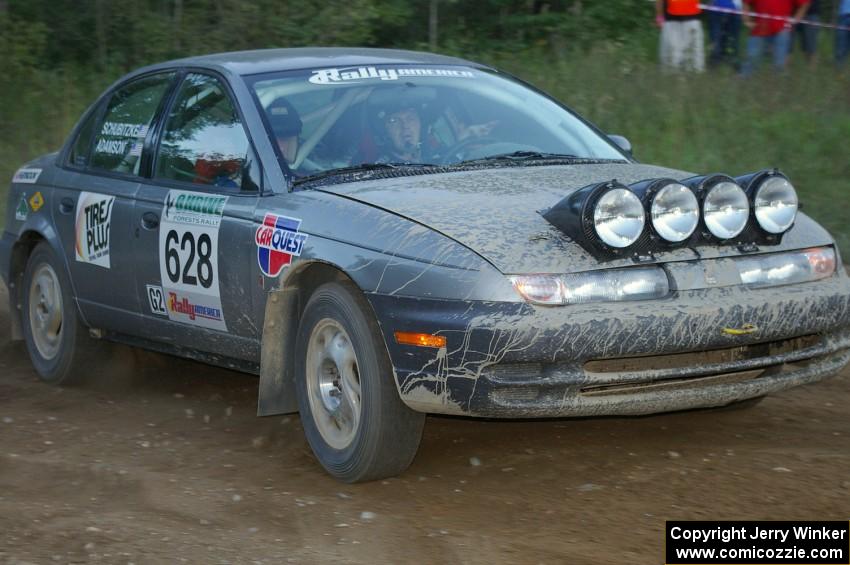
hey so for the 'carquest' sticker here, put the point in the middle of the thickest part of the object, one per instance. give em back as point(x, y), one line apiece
point(278, 240)
point(359, 74)
point(26, 176)
point(188, 258)
point(36, 202)
point(156, 300)
point(94, 214)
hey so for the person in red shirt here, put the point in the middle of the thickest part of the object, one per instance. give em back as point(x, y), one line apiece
point(770, 33)
point(682, 43)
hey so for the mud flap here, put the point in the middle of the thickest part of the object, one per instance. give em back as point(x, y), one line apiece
point(277, 382)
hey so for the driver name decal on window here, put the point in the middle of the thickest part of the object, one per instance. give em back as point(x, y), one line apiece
point(358, 74)
point(188, 258)
point(94, 215)
point(125, 134)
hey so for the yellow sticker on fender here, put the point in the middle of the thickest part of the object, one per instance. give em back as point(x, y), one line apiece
point(36, 201)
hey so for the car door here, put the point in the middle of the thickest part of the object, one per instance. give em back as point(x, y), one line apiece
point(194, 225)
point(94, 201)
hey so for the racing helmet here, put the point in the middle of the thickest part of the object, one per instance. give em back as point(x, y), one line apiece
point(284, 118)
point(383, 102)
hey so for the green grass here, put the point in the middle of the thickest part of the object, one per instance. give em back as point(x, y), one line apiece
point(718, 122)
point(37, 111)
point(714, 122)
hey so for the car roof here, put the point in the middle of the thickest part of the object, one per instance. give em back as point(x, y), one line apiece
point(270, 60)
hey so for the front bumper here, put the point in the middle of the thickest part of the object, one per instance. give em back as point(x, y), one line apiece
point(516, 360)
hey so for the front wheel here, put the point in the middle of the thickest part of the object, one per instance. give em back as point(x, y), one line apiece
point(355, 422)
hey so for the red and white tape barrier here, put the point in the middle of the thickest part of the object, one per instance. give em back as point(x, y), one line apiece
point(707, 8)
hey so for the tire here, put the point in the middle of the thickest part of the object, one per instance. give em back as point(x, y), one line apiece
point(57, 343)
point(339, 347)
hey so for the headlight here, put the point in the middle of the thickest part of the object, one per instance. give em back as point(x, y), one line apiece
point(775, 204)
point(540, 289)
point(619, 218)
point(610, 285)
point(787, 268)
point(725, 210)
point(675, 212)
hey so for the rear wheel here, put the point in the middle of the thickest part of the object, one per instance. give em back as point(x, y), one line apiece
point(354, 420)
point(57, 343)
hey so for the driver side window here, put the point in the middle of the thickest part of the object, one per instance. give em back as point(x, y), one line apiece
point(204, 141)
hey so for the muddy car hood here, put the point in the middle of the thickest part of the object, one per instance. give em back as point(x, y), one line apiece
point(496, 213)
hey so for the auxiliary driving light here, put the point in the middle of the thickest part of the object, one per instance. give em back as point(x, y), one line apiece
point(775, 203)
point(606, 218)
point(725, 209)
point(674, 212)
point(619, 218)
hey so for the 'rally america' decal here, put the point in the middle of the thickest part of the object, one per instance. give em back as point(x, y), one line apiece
point(26, 176)
point(359, 74)
point(94, 212)
point(278, 240)
point(188, 259)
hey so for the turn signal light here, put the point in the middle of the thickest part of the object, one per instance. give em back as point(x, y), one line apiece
point(420, 340)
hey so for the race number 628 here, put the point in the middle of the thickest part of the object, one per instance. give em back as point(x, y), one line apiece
point(193, 255)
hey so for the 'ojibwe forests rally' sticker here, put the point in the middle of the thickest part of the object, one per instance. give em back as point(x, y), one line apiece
point(188, 259)
point(278, 240)
point(94, 212)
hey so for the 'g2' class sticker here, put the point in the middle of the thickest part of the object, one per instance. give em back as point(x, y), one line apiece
point(26, 176)
point(188, 258)
point(94, 214)
point(156, 300)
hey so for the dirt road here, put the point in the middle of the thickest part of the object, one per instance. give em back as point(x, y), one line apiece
point(163, 460)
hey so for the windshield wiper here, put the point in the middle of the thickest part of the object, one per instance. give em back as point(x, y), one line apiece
point(519, 156)
point(362, 168)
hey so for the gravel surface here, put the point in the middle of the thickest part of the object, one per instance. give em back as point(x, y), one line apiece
point(163, 460)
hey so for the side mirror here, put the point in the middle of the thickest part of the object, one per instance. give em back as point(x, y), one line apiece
point(622, 143)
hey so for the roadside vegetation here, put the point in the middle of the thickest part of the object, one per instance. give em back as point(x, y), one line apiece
point(600, 61)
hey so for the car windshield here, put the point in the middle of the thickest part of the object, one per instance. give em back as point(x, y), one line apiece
point(336, 118)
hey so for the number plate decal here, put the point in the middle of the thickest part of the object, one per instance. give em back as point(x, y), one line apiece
point(188, 258)
point(156, 299)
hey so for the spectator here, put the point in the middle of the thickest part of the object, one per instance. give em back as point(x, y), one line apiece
point(842, 36)
point(681, 34)
point(808, 34)
point(724, 31)
point(771, 33)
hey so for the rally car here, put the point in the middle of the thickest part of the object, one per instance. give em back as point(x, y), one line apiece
point(381, 234)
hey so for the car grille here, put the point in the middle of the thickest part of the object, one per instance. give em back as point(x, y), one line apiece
point(700, 368)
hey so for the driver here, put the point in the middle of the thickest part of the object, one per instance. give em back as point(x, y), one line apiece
point(403, 128)
point(286, 126)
